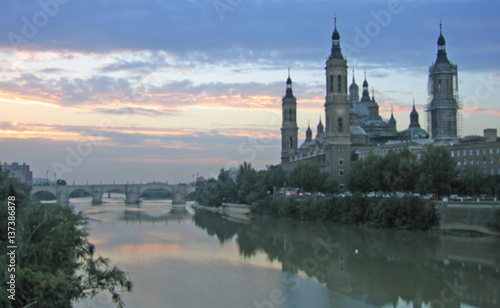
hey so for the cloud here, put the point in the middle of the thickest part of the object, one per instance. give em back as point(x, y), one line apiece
point(194, 30)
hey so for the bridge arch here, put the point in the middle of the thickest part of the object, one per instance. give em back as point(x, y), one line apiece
point(44, 195)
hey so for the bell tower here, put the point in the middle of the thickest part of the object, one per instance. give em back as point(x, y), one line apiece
point(289, 129)
point(443, 91)
point(337, 108)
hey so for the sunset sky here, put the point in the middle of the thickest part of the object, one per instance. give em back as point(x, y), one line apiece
point(144, 90)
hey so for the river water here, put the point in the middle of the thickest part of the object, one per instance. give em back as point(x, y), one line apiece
point(179, 258)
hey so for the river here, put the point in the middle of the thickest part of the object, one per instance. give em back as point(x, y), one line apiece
point(179, 258)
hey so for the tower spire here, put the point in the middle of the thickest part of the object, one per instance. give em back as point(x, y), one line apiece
point(336, 51)
point(289, 91)
point(441, 55)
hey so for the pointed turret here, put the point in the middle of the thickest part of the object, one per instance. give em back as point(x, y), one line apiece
point(365, 98)
point(392, 121)
point(336, 51)
point(289, 91)
point(353, 90)
point(373, 107)
point(414, 117)
point(319, 129)
point(441, 55)
point(309, 133)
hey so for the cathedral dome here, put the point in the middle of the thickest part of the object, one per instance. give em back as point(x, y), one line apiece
point(361, 110)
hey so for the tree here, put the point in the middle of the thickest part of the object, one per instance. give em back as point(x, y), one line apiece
point(399, 171)
point(274, 177)
point(438, 171)
point(55, 262)
point(471, 180)
point(308, 177)
point(365, 175)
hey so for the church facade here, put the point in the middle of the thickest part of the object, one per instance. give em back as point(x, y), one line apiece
point(353, 124)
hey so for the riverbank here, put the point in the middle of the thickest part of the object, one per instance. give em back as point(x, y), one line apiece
point(463, 217)
point(453, 218)
point(233, 211)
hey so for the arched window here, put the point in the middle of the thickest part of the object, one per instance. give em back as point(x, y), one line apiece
point(340, 125)
point(290, 117)
point(290, 142)
point(339, 86)
point(331, 83)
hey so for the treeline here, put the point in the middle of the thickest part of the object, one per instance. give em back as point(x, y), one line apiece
point(256, 188)
point(435, 172)
point(252, 186)
point(55, 264)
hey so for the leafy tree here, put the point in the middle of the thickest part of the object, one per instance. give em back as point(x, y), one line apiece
point(365, 175)
point(399, 171)
point(307, 176)
point(438, 171)
point(274, 177)
point(55, 262)
point(330, 185)
point(227, 187)
point(470, 181)
point(208, 193)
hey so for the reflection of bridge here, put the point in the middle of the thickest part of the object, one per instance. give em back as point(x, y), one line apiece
point(132, 192)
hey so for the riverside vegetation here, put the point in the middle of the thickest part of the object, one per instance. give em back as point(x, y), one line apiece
point(434, 172)
point(55, 263)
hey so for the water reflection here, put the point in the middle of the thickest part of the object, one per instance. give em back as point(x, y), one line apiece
point(377, 267)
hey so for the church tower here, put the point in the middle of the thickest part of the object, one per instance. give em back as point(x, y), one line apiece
point(289, 129)
point(443, 90)
point(414, 117)
point(337, 108)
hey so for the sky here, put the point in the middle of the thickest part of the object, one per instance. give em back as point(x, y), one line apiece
point(141, 90)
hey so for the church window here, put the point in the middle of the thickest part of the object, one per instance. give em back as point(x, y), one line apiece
point(290, 142)
point(290, 117)
point(341, 162)
point(338, 83)
point(340, 125)
point(341, 187)
point(341, 172)
point(331, 83)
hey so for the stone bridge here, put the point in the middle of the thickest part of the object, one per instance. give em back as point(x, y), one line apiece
point(132, 192)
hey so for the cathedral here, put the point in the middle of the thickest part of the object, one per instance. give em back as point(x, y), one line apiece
point(353, 123)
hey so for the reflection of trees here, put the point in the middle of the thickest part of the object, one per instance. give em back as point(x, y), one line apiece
point(374, 266)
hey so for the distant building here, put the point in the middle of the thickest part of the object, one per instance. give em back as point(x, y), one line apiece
point(481, 152)
point(20, 172)
point(353, 125)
